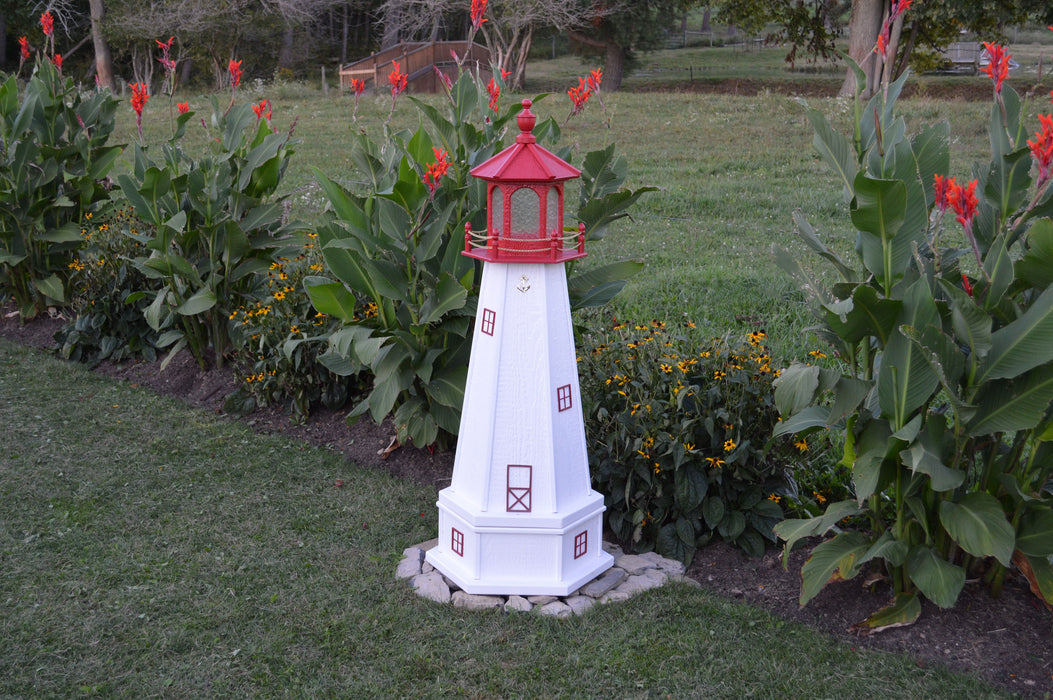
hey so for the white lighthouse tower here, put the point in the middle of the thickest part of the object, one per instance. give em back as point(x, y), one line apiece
point(519, 516)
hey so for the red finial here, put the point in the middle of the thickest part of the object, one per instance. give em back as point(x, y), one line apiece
point(526, 121)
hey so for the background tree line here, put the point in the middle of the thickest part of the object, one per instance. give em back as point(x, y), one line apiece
point(290, 37)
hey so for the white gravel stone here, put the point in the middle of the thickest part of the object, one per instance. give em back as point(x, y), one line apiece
point(476, 602)
point(615, 596)
point(608, 580)
point(432, 586)
point(556, 609)
point(579, 604)
point(612, 549)
point(519, 603)
point(542, 599)
point(644, 582)
point(634, 564)
point(411, 563)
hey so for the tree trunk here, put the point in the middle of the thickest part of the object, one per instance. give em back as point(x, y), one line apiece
point(3, 40)
point(103, 58)
point(614, 69)
point(863, 28)
point(285, 52)
point(392, 24)
point(343, 39)
point(707, 20)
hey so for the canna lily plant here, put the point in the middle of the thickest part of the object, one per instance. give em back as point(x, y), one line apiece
point(399, 283)
point(943, 329)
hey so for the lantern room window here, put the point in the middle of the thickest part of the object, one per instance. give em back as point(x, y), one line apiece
point(497, 211)
point(525, 212)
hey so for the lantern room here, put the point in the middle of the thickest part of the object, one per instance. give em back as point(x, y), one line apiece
point(524, 191)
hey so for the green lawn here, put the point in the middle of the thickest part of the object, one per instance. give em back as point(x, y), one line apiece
point(153, 550)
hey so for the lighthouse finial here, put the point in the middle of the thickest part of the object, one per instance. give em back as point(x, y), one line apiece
point(526, 121)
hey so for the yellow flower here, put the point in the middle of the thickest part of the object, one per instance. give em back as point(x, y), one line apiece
point(88, 215)
point(636, 407)
point(719, 375)
point(817, 354)
point(232, 316)
point(729, 445)
point(715, 462)
point(648, 442)
point(666, 368)
point(690, 324)
point(279, 295)
point(801, 445)
point(819, 497)
point(775, 497)
point(294, 329)
point(689, 446)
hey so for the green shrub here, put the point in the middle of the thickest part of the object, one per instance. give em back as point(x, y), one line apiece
point(678, 436)
point(214, 224)
point(279, 338)
point(396, 243)
point(106, 325)
point(942, 394)
point(54, 159)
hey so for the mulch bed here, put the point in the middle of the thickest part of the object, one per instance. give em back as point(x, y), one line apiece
point(1006, 641)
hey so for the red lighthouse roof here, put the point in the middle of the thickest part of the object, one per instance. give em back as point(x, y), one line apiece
point(525, 160)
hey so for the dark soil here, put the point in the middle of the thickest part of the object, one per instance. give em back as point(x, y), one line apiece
point(1006, 641)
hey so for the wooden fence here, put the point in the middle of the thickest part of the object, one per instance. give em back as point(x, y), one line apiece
point(419, 61)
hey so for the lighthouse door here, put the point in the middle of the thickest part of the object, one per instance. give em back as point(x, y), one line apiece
point(520, 477)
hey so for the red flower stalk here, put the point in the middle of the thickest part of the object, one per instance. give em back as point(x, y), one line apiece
point(579, 96)
point(1042, 150)
point(885, 35)
point(494, 90)
point(183, 107)
point(882, 46)
point(436, 170)
point(998, 65)
point(443, 78)
point(140, 94)
point(262, 110)
point(23, 49)
point(235, 73)
point(594, 79)
point(963, 201)
point(57, 60)
point(478, 10)
point(358, 86)
point(967, 285)
point(47, 23)
point(397, 79)
point(941, 189)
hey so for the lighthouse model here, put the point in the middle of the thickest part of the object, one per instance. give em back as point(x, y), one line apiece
point(519, 516)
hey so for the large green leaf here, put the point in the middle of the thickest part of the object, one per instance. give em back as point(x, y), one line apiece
point(971, 324)
point(1024, 344)
point(937, 579)
point(1036, 267)
point(51, 287)
point(978, 524)
point(447, 296)
point(835, 149)
point(931, 147)
point(904, 610)
point(871, 470)
point(880, 207)
point(905, 380)
point(691, 487)
point(926, 461)
point(829, 560)
point(1034, 536)
point(331, 298)
point(865, 314)
point(201, 301)
point(794, 529)
point(796, 388)
point(810, 238)
point(1016, 404)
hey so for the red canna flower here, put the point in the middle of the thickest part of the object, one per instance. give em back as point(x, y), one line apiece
point(494, 90)
point(884, 36)
point(57, 60)
point(963, 201)
point(436, 170)
point(140, 94)
point(183, 107)
point(505, 74)
point(1042, 150)
point(358, 86)
point(898, 8)
point(882, 46)
point(262, 110)
point(397, 79)
point(998, 65)
point(579, 96)
point(443, 78)
point(967, 285)
point(165, 46)
point(47, 23)
point(23, 48)
point(235, 72)
point(478, 10)
point(941, 189)
point(594, 79)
